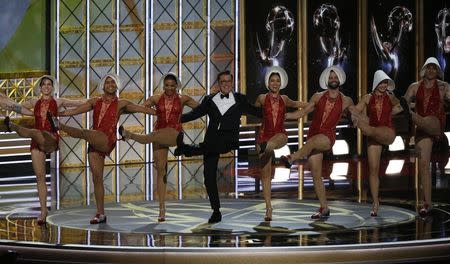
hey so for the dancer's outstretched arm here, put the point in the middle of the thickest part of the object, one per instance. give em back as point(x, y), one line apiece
point(305, 110)
point(361, 106)
point(249, 108)
point(446, 88)
point(396, 107)
point(130, 107)
point(64, 102)
point(199, 111)
point(411, 92)
point(292, 103)
point(8, 104)
point(85, 107)
point(189, 101)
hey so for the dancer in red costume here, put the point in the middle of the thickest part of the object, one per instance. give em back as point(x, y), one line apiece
point(429, 118)
point(102, 139)
point(272, 134)
point(329, 106)
point(44, 138)
point(169, 107)
point(380, 105)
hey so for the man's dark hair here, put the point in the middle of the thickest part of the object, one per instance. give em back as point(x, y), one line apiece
point(220, 74)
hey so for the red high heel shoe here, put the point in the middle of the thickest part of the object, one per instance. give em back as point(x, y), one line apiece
point(268, 216)
point(98, 218)
point(374, 211)
point(162, 215)
point(425, 210)
point(42, 221)
point(321, 214)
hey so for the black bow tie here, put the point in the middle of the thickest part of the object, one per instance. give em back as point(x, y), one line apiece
point(224, 96)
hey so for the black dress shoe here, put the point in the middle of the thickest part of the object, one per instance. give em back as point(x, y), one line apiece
point(121, 128)
point(216, 217)
point(180, 139)
point(7, 123)
point(178, 151)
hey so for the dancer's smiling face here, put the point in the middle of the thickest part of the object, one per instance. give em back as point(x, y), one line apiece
point(333, 80)
point(110, 86)
point(274, 82)
point(170, 85)
point(382, 86)
point(46, 87)
point(431, 71)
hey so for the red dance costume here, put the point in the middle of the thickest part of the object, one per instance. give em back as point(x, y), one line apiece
point(429, 103)
point(379, 116)
point(105, 120)
point(326, 125)
point(168, 112)
point(274, 110)
point(40, 118)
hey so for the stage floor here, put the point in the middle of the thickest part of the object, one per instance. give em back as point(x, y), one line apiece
point(133, 227)
point(133, 235)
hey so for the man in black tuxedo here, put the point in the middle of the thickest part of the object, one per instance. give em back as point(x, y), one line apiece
point(222, 135)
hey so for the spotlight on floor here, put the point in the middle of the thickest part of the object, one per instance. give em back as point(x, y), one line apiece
point(283, 151)
point(340, 147)
point(397, 144)
point(395, 166)
point(339, 171)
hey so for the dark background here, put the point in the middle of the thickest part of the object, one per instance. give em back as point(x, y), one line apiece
point(406, 49)
point(255, 19)
point(317, 59)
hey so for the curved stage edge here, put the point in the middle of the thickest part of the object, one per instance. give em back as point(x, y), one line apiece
point(132, 234)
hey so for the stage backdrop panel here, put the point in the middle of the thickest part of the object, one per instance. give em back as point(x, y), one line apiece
point(392, 42)
point(332, 40)
point(436, 33)
point(270, 39)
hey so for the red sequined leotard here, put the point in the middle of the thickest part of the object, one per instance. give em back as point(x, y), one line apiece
point(326, 116)
point(40, 118)
point(105, 120)
point(168, 112)
point(379, 111)
point(429, 103)
point(274, 110)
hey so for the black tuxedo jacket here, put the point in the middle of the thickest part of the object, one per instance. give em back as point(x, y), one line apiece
point(222, 134)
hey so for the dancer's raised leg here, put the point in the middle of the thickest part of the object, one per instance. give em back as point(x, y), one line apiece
point(97, 139)
point(164, 137)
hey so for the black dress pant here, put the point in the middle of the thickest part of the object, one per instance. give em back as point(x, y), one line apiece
point(211, 161)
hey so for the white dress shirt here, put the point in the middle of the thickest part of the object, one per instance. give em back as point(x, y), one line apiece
point(224, 103)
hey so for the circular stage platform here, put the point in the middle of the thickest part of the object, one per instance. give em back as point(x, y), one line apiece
point(132, 234)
